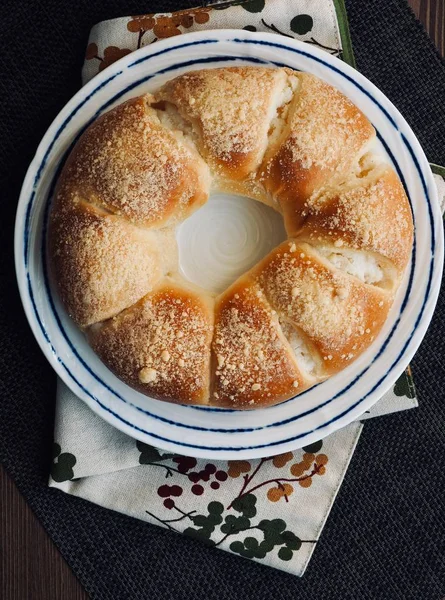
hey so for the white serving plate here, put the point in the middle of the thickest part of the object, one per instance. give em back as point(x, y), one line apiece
point(212, 432)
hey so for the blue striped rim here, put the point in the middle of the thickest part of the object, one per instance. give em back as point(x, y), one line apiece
point(425, 190)
point(48, 152)
point(156, 416)
point(323, 62)
point(413, 254)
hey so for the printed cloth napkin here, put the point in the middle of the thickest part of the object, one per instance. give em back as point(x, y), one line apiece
point(270, 510)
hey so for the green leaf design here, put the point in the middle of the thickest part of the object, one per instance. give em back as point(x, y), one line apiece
point(285, 553)
point(266, 546)
point(250, 28)
point(274, 532)
point(239, 548)
point(62, 470)
point(245, 505)
point(251, 548)
point(56, 450)
point(302, 24)
point(234, 524)
point(251, 543)
point(275, 525)
point(215, 508)
point(206, 523)
point(203, 535)
point(200, 521)
point(150, 455)
point(291, 540)
point(404, 387)
point(254, 6)
point(313, 448)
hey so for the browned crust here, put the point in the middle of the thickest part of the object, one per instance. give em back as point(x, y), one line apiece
point(339, 314)
point(253, 363)
point(161, 345)
point(129, 164)
point(361, 215)
point(230, 109)
point(137, 171)
point(101, 263)
point(325, 135)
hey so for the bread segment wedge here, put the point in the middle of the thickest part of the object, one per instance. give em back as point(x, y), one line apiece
point(129, 164)
point(161, 345)
point(253, 362)
point(368, 215)
point(324, 137)
point(230, 112)
point(339, 314)
point(102, 264)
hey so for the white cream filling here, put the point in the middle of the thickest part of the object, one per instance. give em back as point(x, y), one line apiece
point(278, 116)
point(300, 349)
point(362, 265)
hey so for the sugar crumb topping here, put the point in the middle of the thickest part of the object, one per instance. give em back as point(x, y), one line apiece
point(134, 166)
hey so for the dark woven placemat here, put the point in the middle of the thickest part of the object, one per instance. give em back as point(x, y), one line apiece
point(385, 537)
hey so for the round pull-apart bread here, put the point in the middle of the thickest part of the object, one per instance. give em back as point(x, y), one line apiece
point(305, 311)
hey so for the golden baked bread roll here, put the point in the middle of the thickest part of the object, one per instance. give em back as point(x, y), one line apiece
point(322, 140)
point(161, 344)
point(101, 262)
point(232, 114)
point(367, 218)
point(308, 309)
point(338, 313)
point(254, 364)
point(128, 163)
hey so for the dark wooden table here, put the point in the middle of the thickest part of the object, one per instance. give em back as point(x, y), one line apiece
point(432, 15)
point(31, 567)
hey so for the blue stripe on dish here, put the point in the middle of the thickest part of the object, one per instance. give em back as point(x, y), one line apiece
point(323, 62)
point(153, 435)
point(178, 47)
point(194, 427)
point(425, 190)
point(181, 65)
point(413, 253)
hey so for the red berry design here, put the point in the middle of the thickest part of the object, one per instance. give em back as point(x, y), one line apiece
point(203, 475)
point(198, 490)
point(164, 491)
point(185, 463)
point(206, 475)
point(194, 477)
point(221, 475)
point(169, 503)
point(169, 490)
point(175, 490)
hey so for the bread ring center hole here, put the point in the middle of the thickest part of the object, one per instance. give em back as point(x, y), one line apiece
point(225, 238)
